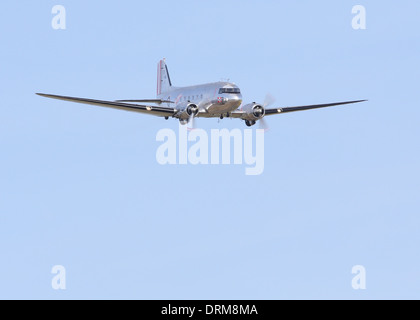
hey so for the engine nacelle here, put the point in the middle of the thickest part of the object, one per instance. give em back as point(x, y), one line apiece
point(187, 110)
point(254, 111)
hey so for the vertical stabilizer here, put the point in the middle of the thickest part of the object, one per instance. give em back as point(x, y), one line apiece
point(163, 80)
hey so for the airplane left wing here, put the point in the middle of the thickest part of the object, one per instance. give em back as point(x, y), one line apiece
point(244, 115)
point(152, 110)
point(269, 112)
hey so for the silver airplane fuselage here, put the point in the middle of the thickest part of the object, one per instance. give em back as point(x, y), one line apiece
point(213, 99)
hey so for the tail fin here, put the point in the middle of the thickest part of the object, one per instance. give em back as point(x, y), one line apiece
point(164, 83)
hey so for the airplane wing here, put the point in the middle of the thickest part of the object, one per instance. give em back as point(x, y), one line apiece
point(152, 110)
point(157, 101)
point(269, 112)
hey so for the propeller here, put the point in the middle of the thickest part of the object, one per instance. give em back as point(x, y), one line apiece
point(192, 111)
point(269, 100)
point(191, 122)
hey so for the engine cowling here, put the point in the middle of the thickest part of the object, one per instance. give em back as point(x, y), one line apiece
point(188, 110)
point(254, 111)
point(192, 109)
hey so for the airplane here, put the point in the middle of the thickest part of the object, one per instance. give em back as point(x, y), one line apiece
point(211, 100)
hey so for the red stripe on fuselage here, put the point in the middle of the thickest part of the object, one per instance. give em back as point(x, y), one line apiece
point(157, 83)
point(160, 77)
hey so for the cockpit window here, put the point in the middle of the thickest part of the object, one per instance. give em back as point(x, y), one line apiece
point(230, 90)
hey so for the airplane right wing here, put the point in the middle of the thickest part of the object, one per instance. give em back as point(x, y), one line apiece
point(152, 110)
point(157, 101)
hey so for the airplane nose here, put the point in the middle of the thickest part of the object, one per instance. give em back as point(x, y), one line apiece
point(236, 100)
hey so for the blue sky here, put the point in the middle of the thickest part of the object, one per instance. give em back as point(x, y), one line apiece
point(80, 185)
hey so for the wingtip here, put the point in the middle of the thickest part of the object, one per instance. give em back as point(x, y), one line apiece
point(45, 95)
point(359, 101)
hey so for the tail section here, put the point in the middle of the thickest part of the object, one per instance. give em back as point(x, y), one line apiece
point(164, 83)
